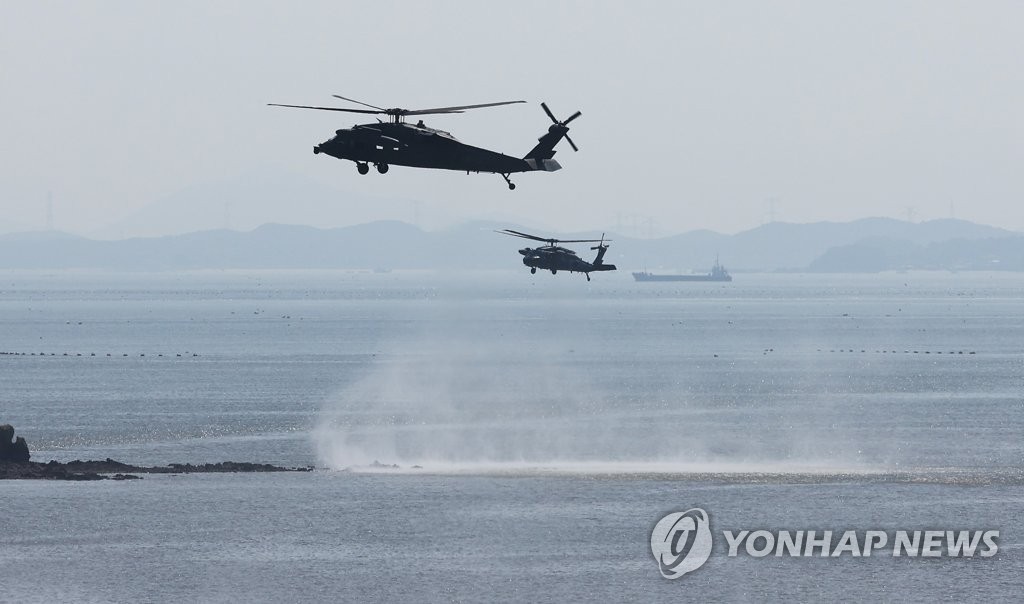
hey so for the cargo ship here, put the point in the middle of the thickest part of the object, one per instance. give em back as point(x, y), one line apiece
point(718, 273)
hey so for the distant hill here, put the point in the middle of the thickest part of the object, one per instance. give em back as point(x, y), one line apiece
point(791, 246)
point(246, 201)
point(882, 254)
point(10, 226)
point(865, 245)
point(782, 245)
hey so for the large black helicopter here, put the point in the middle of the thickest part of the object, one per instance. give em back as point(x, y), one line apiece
point(399, 143)
point(553, 258)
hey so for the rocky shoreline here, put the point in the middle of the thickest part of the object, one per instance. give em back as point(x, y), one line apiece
point(116, 470)
point(15, 464)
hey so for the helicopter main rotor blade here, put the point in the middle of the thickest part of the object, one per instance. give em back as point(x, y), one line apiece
point(396, 111)
point(572, 117)
point(571, 144)
point(548, 240)
point(523, 235)
point(325, 108)
point(338, 96)
point(456, 109)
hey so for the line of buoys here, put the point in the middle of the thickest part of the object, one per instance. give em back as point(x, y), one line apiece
point(91, 354)
point(898, 352)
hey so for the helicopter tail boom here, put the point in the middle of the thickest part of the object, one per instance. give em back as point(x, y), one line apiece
point(598, 263)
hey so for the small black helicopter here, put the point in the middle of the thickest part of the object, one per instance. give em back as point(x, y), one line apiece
point(401, 144)
point(553, 258)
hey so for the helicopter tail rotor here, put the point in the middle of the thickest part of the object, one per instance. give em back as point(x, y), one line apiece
point(545, 148)
point(563, 124)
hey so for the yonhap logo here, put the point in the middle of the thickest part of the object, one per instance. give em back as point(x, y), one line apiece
point(681, 542)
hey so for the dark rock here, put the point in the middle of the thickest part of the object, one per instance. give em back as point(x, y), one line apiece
point(125, 477)
point(16, 451)
point(377, 464)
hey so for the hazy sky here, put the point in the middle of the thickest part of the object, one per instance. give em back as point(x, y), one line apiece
point(695, 114)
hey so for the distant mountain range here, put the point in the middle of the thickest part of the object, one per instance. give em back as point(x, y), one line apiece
point(256, 197)
point(271, 195)
point(871, 244)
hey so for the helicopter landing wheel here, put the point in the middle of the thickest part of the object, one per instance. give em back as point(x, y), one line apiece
point(363, 168)
point(533, 270)
point(588, 276)
point(554, 272)
point(382, 168)
point(511, 185)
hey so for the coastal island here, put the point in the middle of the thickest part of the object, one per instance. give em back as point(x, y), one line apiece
point(16, 463)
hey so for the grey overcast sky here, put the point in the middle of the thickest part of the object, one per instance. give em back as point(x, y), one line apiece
point(695, 114)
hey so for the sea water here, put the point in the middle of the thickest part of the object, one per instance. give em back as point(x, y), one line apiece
point(502, 436)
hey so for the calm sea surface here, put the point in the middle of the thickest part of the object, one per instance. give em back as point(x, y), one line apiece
point(501, 436)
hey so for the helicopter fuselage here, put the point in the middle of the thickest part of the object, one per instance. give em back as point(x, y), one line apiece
point(555, 258)
point(419, 146)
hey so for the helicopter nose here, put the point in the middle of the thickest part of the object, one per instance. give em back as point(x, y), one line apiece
point(524, 251)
